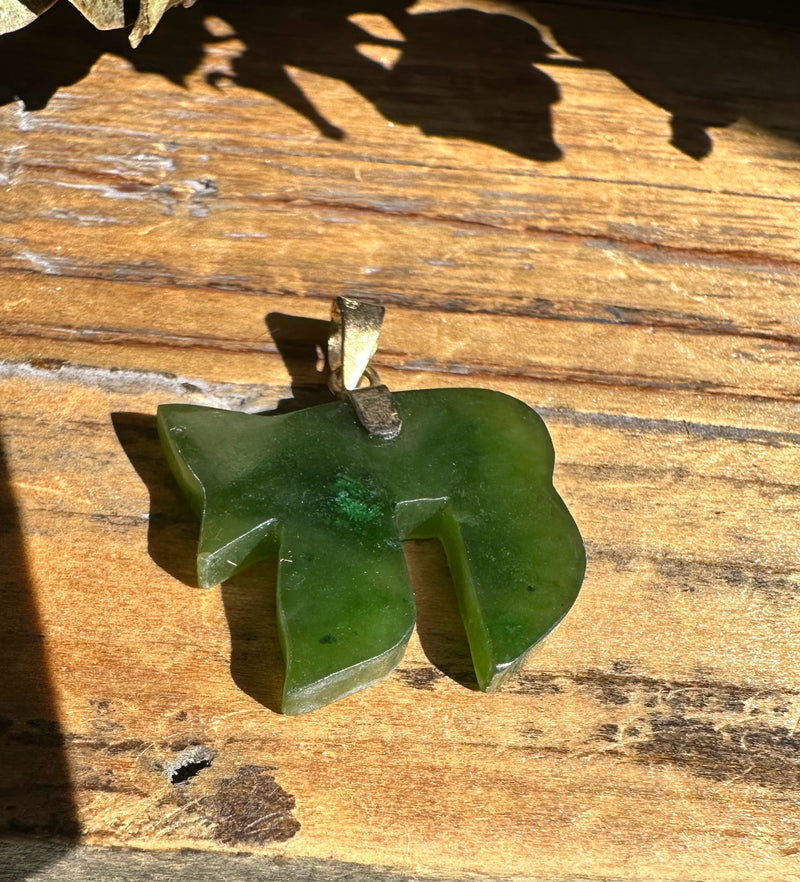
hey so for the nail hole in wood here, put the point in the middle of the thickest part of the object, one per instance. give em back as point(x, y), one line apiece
point(188, 764)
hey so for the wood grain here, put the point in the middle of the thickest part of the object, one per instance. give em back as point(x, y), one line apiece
point(159, 221)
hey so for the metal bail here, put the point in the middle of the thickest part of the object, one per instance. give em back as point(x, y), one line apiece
point(352, 342)
point(353, 339)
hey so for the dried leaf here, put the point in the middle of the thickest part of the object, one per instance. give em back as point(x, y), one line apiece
point(103, 14)
point(15, 14)
point(150, 12)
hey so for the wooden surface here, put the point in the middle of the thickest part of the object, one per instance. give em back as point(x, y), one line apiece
point(542, 230)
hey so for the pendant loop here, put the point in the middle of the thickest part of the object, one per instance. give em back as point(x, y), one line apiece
point(336, 385)
point(352, 342)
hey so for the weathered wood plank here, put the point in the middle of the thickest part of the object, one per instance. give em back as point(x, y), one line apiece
point(488, 348)
point(147, 672)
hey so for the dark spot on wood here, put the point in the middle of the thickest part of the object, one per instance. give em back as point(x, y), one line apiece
point(760, 753)
point(420, 678)
point(701, 576)
point(622, 558)
point(614, 689)
point(98, 783)
point(48, 364)
point(102, 722)
point(250, 808)
point(723, 575)
point(183, 743)
point(608, 732)
point(679, 695)
point(535, 684)
point(131, 187)
point(131, 745)
point(714, 729)
point(181, 716)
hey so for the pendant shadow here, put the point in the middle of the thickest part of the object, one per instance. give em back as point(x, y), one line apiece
point(36, 795)
point(249, 598)
point(303, 345)
point(172, 526)
point(440, 627)
point(257, 665)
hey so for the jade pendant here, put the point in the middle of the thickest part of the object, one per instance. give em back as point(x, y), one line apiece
point(333, 503)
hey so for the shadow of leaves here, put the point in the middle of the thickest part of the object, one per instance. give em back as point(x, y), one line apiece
point(458, 73)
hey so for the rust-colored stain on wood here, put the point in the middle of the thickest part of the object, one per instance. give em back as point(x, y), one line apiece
point(592, 208)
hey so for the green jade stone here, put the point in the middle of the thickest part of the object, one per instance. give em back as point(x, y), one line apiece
point(470, 467)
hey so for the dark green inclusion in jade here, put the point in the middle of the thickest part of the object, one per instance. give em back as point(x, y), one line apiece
point(471, 467)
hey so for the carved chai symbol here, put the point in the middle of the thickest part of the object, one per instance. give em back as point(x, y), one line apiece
point(334, 501)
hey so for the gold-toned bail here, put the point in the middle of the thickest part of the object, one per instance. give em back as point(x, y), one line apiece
point(352, 342)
